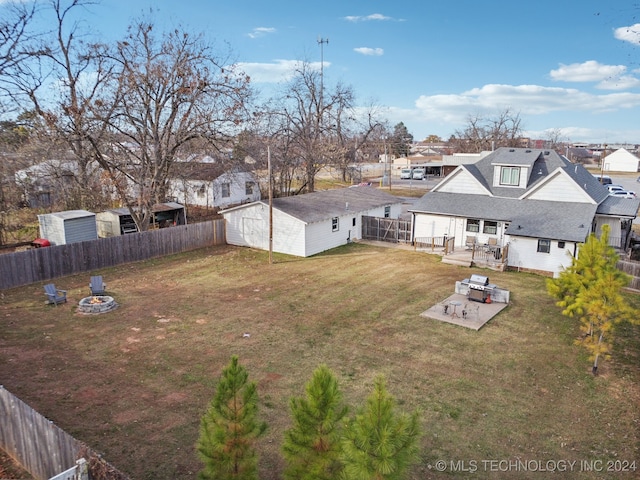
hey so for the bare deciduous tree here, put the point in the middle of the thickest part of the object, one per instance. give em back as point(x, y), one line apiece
point(167, 91)
point(126, 111)
point(488, 133)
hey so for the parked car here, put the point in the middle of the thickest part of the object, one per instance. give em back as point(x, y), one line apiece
point(615, 188)
point(604, 179)
point(623, 194)
point(418, 174)
point(405, 174)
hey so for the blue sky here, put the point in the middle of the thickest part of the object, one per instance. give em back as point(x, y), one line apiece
point(572, 65)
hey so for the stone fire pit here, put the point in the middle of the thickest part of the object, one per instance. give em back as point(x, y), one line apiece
point(96, 304)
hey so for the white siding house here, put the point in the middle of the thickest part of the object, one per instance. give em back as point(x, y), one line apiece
point(621, 161)
point(535, 202)
point(304, 225)
point(208, 185)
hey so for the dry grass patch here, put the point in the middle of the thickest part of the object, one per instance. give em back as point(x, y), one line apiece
point(134, 383)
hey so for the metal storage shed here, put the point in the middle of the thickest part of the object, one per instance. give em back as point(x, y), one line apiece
point(70, 226)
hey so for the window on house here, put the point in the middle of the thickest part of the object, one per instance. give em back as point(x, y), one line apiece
point(544, 245)
point(510, 176)
point(387, 211)
point(201, 191)
point(490, 227)
point(334, 224)
point(226, 190)
point(353, 222)
point(473, 225)
point(248, 188)
point(560, 244)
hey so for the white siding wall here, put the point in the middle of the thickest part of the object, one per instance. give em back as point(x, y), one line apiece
point(236, 225)
point(249, 227)
point(462, 181)
point(187, 192)
point(561, 188)
point(523, 254)
point(288, 234)
point(433, 226)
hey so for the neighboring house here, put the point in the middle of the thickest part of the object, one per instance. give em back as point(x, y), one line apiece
point(535, 201)
point(209, 185)
point(47, 182)
point(621, 161)
point(304, 225)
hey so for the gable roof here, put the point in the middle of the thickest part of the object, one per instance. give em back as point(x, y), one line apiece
point(320, 206)
point(540, 164)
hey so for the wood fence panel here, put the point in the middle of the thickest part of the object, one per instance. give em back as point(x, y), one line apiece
point(37, 444)
point(632, 268)
point(41, 264)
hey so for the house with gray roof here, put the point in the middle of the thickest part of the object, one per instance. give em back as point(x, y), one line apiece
point(304, 225)
point(535, 202)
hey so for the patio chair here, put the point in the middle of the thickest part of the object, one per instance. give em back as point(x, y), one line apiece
point(469, 243)
point(55, 295)
point(97, 286)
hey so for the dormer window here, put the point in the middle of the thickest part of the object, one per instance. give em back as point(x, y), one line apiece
point(510, 176)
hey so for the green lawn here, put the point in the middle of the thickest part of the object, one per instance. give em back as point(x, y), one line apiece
point(134, 383)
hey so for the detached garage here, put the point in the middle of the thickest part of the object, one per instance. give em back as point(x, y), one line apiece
point(304, 225)
point(621, 161)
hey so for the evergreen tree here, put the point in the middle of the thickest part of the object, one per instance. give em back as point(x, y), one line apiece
point(312, 446)
point(401, 141)
point(590, 289)
point(229, 429)
point(380, 443)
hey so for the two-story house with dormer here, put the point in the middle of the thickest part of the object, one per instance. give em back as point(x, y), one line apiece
point(536, 202)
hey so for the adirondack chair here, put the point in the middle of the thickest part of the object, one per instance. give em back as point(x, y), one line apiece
point(97, 286)
point(54, 294)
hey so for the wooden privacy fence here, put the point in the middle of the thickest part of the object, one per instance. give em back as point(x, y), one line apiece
point(631, 268)
point(386, 229)
point(40, 264)
point(41, 448)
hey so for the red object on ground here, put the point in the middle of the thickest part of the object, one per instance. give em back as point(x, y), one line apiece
point(41, 242)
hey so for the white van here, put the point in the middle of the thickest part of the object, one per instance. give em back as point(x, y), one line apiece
point(418, 174)
point(405, 174)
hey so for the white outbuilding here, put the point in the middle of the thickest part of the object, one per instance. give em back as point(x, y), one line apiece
point(70, 226)
point(304, 225)
point(621, 161)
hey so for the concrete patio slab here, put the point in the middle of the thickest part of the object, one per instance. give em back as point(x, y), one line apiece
point(466, 314)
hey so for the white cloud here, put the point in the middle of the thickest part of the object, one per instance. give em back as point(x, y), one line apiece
point(525, 99)
point(629, 34)
point(367, 18)
point(590, 71)
point(369, 51)
point(278, 71)
point(259, 32)
point(609, 77)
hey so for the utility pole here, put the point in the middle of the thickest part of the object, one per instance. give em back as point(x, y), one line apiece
point(270, 206)
point(321, 42)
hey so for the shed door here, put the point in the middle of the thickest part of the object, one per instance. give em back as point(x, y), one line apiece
point(254, 232)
